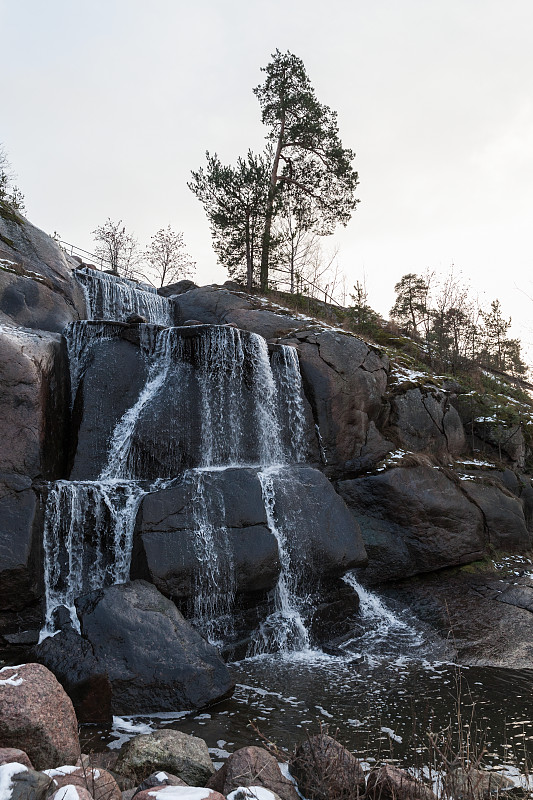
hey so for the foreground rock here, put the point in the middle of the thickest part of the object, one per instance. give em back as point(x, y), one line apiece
point(186, 757)
point(252, 766)
point(160, 778)
point(391, 783)
point(180, 793)
point(138, 646)
point(323, 768)
point(37, 715)
point(98, 782)
point(9, 755)
point(17, 782)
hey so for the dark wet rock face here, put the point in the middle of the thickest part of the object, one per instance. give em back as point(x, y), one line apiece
point(344, 380)
point(144, 649)
point(423, 420)
point(20, 568)
point(37, 287)
point(166, 540)
point(414, 519)
point(34, 399)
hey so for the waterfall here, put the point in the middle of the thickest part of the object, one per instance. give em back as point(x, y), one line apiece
point(284, 629)
point(214, 581)
point(239, 423)
point(110, 297)
point(87, 541)
point(290, 407)
point(380, 622)
point(226, 404)
point(121, 461)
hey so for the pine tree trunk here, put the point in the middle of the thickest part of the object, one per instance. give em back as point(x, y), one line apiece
point(265, 250)
point(249, 264)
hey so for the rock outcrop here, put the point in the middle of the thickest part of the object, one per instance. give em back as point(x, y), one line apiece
point(166, 543)
point(138, 654)
point(37, 287)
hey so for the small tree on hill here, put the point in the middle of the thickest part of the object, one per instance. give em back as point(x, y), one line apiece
point(411, 306)
point(9, 193)
point(234, 200)
point(167, 258)
point(117, 248)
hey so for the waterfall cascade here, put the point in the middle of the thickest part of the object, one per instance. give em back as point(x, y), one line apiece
point(251, 413)
point(110, 297)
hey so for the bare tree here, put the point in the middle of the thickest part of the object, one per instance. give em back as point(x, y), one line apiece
point(9, 193)
point(117, 248)
point(167, 258)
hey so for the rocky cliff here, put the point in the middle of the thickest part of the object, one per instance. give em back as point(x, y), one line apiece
point(401, 473)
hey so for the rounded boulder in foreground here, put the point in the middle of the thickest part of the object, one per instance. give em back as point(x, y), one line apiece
point(37, 716)
point(185, 756)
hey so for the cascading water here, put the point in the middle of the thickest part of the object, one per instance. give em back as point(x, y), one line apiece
point(251, 414)
point(87, 541)
point(290, 407)
point(382, 627)
point(284, 629)
point(212, 608)
point(110, 297)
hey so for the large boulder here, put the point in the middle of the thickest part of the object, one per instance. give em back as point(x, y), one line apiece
point(151, 656)
point(185, 756)
point(234, 505)
point(37, 285)
point(252, 766)
point(37, 716)
point(344, 379)
point(72, 660)
point(323, 769)
point(168, 549)
point(415, 519)
point(8, 755)
point(34, 402)
point(219, 306)
point(503, 514)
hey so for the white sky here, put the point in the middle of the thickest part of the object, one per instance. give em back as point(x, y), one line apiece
point(107, 105)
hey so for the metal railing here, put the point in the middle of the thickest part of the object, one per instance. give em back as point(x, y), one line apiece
point(74, 250)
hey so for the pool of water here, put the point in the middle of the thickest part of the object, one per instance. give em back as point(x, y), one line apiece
point(392, 684)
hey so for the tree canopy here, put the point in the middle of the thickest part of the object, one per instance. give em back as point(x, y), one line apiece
point(305, 175)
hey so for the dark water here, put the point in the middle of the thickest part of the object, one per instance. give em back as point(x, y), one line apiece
point(380, 698)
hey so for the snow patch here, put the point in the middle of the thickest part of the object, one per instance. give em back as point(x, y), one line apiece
point(391, 734)
point(181, 793)
point(7, 772)
point(254, 792)
point(68, 792)
point(59, 771)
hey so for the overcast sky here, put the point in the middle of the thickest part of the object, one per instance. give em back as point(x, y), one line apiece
point(107, 105)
